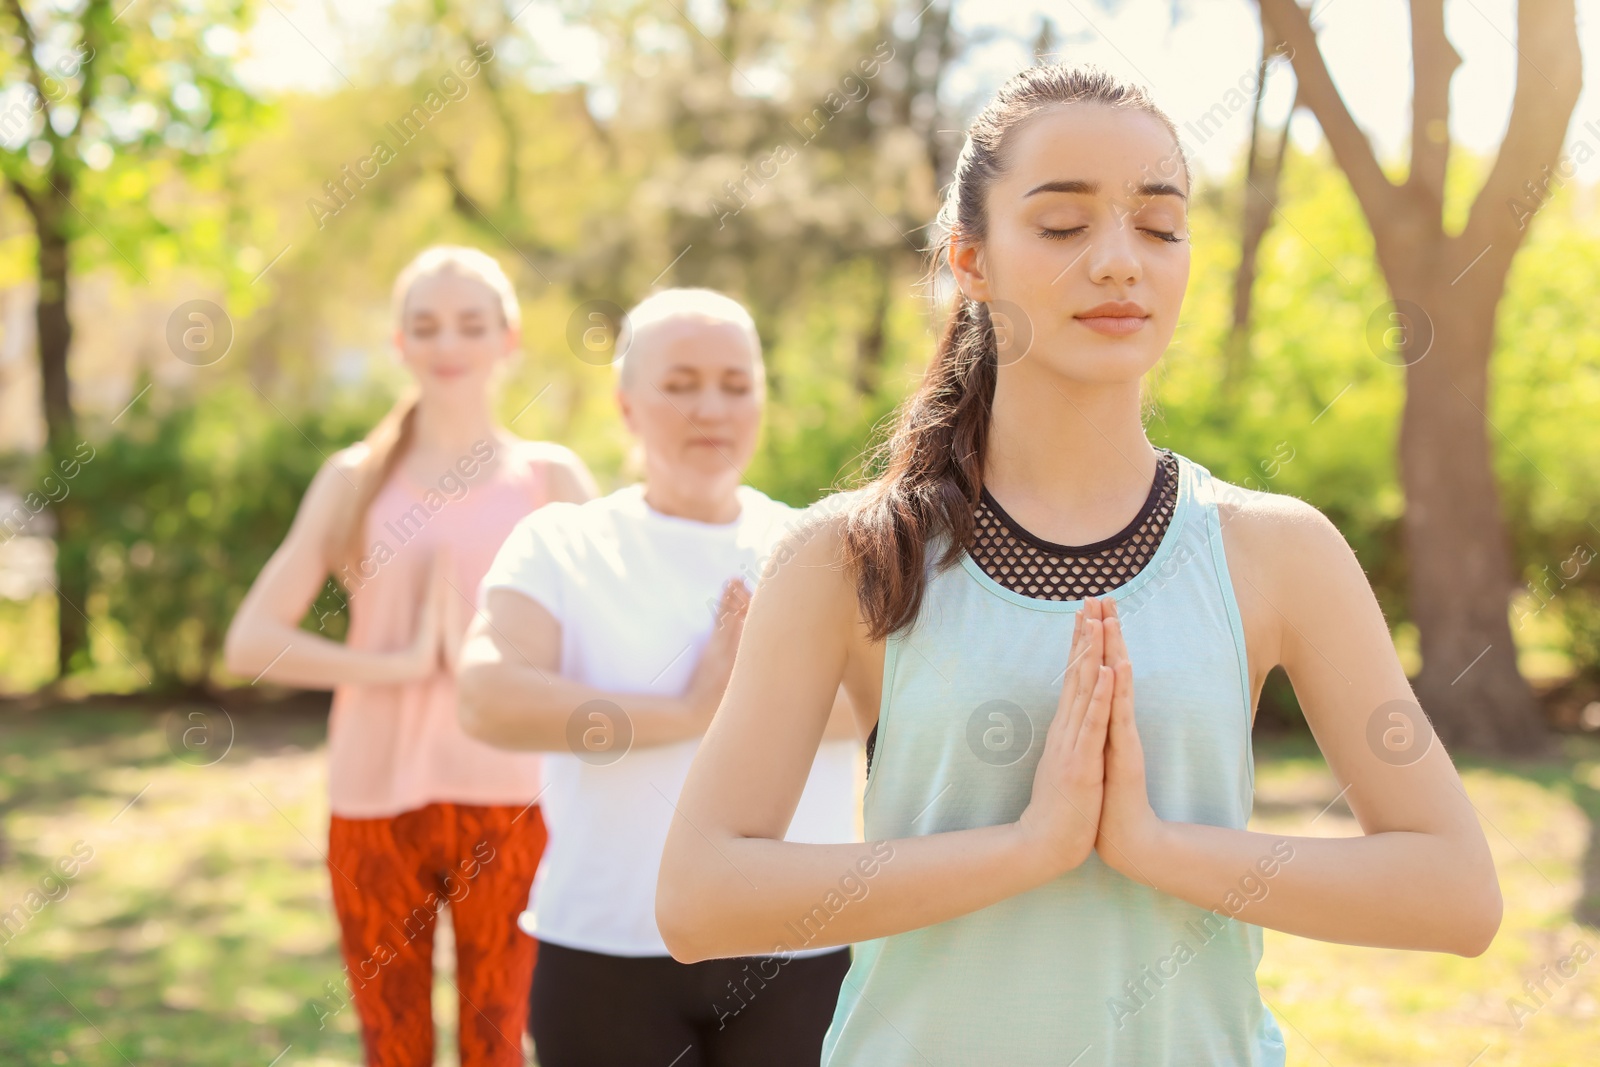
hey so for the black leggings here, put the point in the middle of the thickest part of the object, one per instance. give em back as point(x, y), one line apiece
point(588, 1009)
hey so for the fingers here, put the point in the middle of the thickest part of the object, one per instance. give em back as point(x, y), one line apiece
point(1092, 734)
point(1093, 653)
point(1071, 675)
point(1096, 643)
point(735, 598)
point(1116, 648)
point(1123, 732)
point(1085, 675)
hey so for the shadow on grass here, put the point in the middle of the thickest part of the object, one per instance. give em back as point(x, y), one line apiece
point(157, 984)
point(1569, 774)
point(216, 952)
point(1573, 772)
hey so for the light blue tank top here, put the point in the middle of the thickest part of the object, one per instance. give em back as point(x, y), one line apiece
point(1091, 969)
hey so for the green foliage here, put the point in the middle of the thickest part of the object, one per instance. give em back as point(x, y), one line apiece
point(126, 113)
point(582, 205)
point(186, 506)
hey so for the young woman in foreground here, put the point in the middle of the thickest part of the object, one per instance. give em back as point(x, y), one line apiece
point(1056, 868)
point(408, 520)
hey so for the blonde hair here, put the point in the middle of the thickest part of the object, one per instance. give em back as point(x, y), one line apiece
point(388, 441)
point(463, 262)
point(670, 305)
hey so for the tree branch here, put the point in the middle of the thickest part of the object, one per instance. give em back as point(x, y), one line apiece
point(1433, 61)
point(1379, 197)
point(95, 26)
point(35, 76)
point(1549, 79)
point(22, 191)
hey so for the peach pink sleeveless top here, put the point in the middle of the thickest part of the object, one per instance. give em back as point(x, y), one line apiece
point(394, 748)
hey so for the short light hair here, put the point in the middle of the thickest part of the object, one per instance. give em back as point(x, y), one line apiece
point(464, 262)
point(670, 305)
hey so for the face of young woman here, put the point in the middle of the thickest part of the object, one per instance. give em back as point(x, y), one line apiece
point(1088, 214)
point(693, 399)
point(452, 337)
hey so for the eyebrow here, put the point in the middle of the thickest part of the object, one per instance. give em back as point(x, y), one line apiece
point(429, 313)
point(1091, 188)
point(692, 368)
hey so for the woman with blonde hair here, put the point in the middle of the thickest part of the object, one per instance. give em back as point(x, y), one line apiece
point(408, 520)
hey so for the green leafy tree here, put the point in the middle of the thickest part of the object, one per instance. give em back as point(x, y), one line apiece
point(104, 104)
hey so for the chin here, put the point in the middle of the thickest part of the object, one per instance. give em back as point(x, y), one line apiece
point(711, 470)
point(466, 384)
point(1109, 364)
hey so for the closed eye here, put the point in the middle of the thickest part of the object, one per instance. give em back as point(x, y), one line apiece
point(1063, 235)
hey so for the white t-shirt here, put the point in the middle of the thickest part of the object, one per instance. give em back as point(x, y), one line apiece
point(635, 592)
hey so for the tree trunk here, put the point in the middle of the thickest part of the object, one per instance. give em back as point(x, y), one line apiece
point(49, 209)
point(1262, 177)
point(1458, 551)
point(1456, 539)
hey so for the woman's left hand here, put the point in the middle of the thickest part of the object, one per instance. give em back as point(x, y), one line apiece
point(1129, 826)
point(453, 612)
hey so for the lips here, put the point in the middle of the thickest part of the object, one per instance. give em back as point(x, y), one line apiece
point(1117, 318)
point(1115, 309)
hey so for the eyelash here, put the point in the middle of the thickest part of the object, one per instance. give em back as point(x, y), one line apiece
point(1061, 235)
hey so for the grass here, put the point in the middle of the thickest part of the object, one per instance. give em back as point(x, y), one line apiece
point(199, 929)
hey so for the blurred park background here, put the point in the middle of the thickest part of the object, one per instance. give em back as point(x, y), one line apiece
point(204, 207)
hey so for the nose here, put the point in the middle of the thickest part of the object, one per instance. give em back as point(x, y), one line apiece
point(708, 404)
point(1113, 256)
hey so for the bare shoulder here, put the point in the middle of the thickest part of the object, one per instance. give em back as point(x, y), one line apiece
point(565, 472)
point(809, 560)
point(545, 452)
point(540, 453)
point(330, 496)
point(336, 480)
point(1293, 571)
point(1275, 533)
point(348, 458)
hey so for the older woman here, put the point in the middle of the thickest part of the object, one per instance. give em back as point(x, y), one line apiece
point(606, 636)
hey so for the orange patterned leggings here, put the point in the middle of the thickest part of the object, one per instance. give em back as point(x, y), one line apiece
point(390, 877)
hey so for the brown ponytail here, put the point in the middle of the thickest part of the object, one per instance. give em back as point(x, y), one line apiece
point(387, 443)
point(931, 466)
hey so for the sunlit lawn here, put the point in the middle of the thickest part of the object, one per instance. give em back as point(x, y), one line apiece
point(200, 932)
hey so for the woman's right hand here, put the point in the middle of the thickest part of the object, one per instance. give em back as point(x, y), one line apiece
point(711, 674)
point(1063, 814)
point(426, 655)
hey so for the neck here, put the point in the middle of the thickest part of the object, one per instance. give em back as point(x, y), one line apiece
point(1067, 457)
point(716, 507)
point(447, 428)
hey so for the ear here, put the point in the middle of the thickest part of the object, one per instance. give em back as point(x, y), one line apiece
point(625, 406)
point(966, 263)
point(513, 340)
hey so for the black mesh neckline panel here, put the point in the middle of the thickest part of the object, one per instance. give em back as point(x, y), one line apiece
point(1043, 570)
point(1040, 569)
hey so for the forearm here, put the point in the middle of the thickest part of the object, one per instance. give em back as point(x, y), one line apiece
point(1396, 889)
point(518, 706)
point(288, 655)
point(753, 895)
